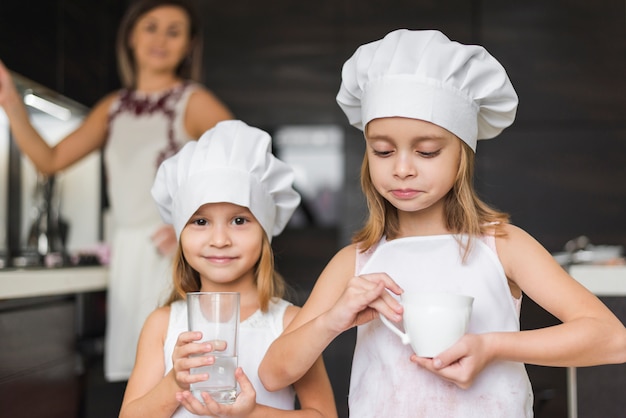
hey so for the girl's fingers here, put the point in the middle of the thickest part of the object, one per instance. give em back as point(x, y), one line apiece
point(379, 298)
point(363, 299)
point(383, 277)
point(196, 378)
point(244, 383)
point(370, 291)
point(207, 346)
point(218, 345)
point(450, 356)
point(187, 345)
point(391, 302)
point(183, 367)
point(193, 405)
point(188, 337)
point(189, 402)
point(209, 404)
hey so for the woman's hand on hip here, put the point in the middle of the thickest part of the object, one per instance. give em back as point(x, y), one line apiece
point(165, 240)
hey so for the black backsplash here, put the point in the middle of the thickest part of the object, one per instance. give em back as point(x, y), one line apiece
point(560, 170)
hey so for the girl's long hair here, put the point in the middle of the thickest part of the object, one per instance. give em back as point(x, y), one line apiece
point(465, 213)
point(190, 68)
point(269, 282)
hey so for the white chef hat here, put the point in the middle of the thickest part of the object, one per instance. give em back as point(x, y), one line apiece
point(231, 162)
point(424, 75)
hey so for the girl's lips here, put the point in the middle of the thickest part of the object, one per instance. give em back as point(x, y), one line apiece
point(220, 259)
point(405, 193)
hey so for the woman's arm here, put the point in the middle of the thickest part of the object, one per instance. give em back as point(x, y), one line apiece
point(89, 136)
point(338, 302)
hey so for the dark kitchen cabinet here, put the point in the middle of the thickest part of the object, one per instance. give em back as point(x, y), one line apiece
point(39, 365)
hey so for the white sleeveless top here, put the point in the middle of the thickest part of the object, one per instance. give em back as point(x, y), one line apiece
point(385, 383)
point(143, 130)
point(255, 336)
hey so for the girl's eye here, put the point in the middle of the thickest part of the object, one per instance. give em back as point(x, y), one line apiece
point(199, 222)
point(381, 153)
point(429, 154)
point(239, 220)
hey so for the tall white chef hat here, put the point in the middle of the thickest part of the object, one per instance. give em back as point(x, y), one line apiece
point(231, 162)
point(424, 75)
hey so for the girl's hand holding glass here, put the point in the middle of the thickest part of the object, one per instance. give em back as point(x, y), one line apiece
point(188, 354)
point(244, 404)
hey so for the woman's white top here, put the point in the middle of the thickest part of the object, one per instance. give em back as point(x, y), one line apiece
point(385, 383)
point(144, 129)
point(256, 334)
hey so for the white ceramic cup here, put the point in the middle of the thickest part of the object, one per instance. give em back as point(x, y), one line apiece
point(433, 321)
point(216, 315)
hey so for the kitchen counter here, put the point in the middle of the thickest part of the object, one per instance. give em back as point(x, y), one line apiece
point(33, 282)
point(30, 282)
point(601, 280)
point(51, 323)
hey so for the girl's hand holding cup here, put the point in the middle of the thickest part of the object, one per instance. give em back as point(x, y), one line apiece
point(244, 404)
point(461, 363)
point(364, 298)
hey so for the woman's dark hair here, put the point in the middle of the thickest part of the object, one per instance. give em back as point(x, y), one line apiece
point(189, 67)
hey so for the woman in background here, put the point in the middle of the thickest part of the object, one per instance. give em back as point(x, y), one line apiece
point(159, 109)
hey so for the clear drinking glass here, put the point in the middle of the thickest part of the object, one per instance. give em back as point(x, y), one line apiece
point(216, 316)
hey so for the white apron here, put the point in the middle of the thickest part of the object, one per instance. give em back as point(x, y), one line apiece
point(385, 383)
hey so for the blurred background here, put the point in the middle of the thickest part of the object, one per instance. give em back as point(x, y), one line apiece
point(560, 170)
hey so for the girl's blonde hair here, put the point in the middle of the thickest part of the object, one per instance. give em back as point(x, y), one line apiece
point(465, 212)
point(269, 282)
point(190, 68)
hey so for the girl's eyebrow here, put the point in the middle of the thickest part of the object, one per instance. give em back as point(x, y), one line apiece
point(381, 136)
point(418, 138)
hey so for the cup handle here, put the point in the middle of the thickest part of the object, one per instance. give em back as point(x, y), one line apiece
point(404, 337)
